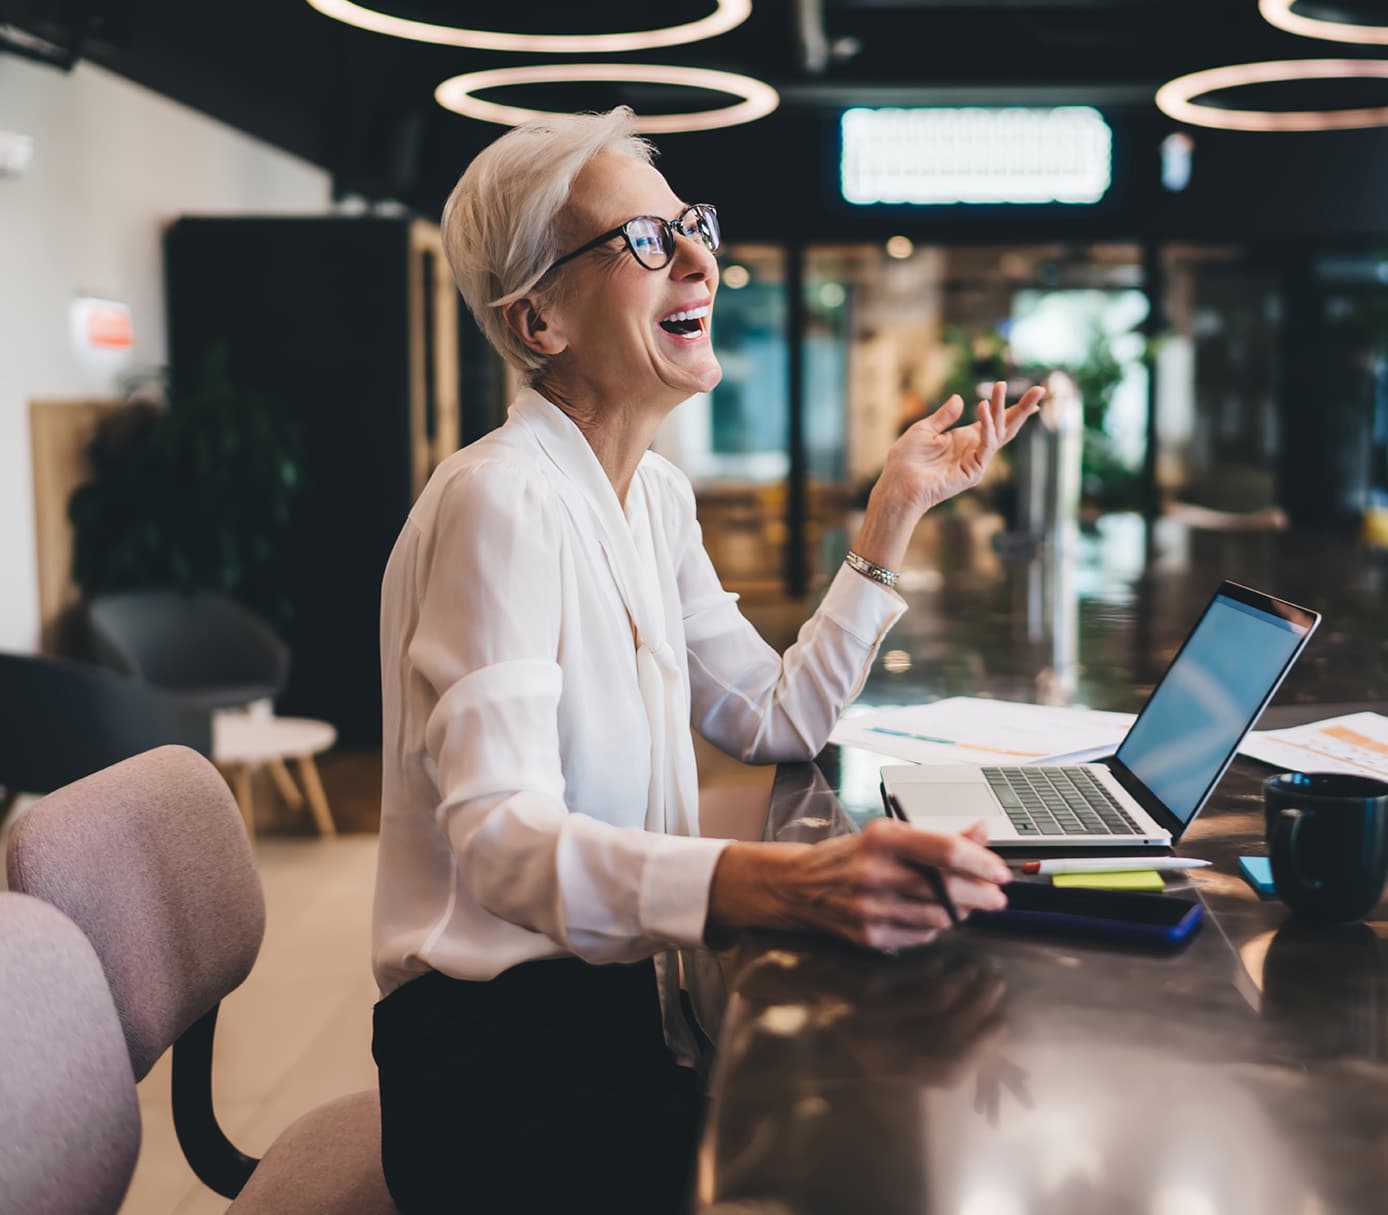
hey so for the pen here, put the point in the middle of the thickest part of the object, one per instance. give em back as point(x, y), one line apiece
point(932, 875)
point(1113, 864)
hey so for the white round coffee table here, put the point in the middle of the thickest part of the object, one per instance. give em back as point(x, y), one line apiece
point(243, 742)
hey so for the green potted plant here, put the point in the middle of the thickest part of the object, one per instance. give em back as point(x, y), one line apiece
point(196, 493)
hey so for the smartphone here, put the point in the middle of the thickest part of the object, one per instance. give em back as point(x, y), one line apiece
point(1117, 915)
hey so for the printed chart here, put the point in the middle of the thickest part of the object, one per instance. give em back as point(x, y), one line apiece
point(1355, 743)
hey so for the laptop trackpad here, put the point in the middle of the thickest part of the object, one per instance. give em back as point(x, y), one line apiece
point(950, 807)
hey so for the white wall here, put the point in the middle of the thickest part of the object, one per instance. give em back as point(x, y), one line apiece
point(113, 164)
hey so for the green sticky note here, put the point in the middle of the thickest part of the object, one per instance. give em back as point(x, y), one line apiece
point(1134, 879)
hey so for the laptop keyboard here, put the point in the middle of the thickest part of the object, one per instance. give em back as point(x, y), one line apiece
point(1058, 801)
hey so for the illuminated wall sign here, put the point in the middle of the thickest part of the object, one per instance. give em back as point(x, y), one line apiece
point(976, 154)
point(101, 326)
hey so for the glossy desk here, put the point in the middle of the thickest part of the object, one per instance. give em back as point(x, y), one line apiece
point(1246, 1074)
point(991, 1075)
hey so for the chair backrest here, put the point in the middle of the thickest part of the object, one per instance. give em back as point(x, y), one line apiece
point(187, 641)
point(150, 859)
point(60, 721)
point(69, 1117)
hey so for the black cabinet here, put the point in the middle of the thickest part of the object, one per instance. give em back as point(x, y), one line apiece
point(354, 327)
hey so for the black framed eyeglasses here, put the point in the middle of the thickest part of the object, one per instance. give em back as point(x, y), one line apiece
point(652, 239)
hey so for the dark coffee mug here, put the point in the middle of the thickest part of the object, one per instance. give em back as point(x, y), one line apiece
point(1328, 839)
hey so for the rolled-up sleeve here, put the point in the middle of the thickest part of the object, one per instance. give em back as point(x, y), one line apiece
point(487, 644)
point(756, 704)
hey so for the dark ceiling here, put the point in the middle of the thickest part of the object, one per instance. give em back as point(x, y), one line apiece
point(362, 104)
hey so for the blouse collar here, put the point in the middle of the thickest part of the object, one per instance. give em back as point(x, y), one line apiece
point(623, 535)
point(571, 453)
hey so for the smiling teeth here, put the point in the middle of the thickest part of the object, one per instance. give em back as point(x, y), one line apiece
point(694, 314)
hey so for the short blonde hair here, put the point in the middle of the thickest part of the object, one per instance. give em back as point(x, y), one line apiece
point(499, 222)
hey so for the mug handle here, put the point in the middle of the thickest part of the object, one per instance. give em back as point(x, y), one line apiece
point(1284, 836)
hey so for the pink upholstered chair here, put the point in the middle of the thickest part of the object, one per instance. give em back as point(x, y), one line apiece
point(69, 1120)
point(150, 859)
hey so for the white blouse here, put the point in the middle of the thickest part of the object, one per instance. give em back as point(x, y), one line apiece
point(543, 655)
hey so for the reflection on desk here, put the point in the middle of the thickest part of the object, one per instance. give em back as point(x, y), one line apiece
point(1001, 1076)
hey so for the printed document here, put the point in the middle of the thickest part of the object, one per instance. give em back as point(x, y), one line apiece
point(1357, 743)
point(970, 730)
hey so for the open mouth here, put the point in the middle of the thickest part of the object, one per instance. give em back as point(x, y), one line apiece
point(688, 323)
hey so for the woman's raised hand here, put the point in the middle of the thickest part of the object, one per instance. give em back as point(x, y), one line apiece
point(868, 888)
point(931, 462)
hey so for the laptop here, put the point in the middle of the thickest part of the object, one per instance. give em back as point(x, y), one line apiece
point(1149, 791)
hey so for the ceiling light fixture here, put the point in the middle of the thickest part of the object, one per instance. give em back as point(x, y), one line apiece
point(758, 98)
point(1174, 97)
point(1279, 13)
point(727, 15)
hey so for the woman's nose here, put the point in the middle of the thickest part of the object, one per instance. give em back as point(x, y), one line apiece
point(693, 259)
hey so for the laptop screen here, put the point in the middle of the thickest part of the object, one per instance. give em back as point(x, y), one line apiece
point(1209, 698)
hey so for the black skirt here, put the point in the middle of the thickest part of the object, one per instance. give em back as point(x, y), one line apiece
point(547, 1089)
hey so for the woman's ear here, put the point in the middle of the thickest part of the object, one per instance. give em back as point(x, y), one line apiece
point(534, 324)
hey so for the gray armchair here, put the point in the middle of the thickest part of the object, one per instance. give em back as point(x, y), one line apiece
point(206, 648)
point(60, 721)
point(211, 653)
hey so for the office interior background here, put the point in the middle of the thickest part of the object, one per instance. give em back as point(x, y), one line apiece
point(233, 354)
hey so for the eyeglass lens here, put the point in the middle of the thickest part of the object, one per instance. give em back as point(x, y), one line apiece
point(653, 241)
point(707, 219)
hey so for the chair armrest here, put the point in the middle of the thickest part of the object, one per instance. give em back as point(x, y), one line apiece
point(218, 1163)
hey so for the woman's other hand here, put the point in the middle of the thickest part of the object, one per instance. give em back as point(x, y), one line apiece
point(932, 462)
point(867, 888)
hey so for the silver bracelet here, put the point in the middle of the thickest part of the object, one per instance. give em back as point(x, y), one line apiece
point(868, 570)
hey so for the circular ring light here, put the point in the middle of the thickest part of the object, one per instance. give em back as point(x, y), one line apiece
point(1279, 13)
point(758, 98)
point(1174, 97)
point(727, 15)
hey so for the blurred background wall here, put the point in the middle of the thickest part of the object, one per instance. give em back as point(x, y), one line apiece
point(114, 163)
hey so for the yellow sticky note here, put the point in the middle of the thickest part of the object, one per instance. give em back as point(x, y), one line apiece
point(1133, 879)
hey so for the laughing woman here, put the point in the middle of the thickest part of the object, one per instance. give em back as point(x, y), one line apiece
point(552, 631)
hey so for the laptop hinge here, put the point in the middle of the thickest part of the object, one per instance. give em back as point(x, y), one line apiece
point(1143, 796)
